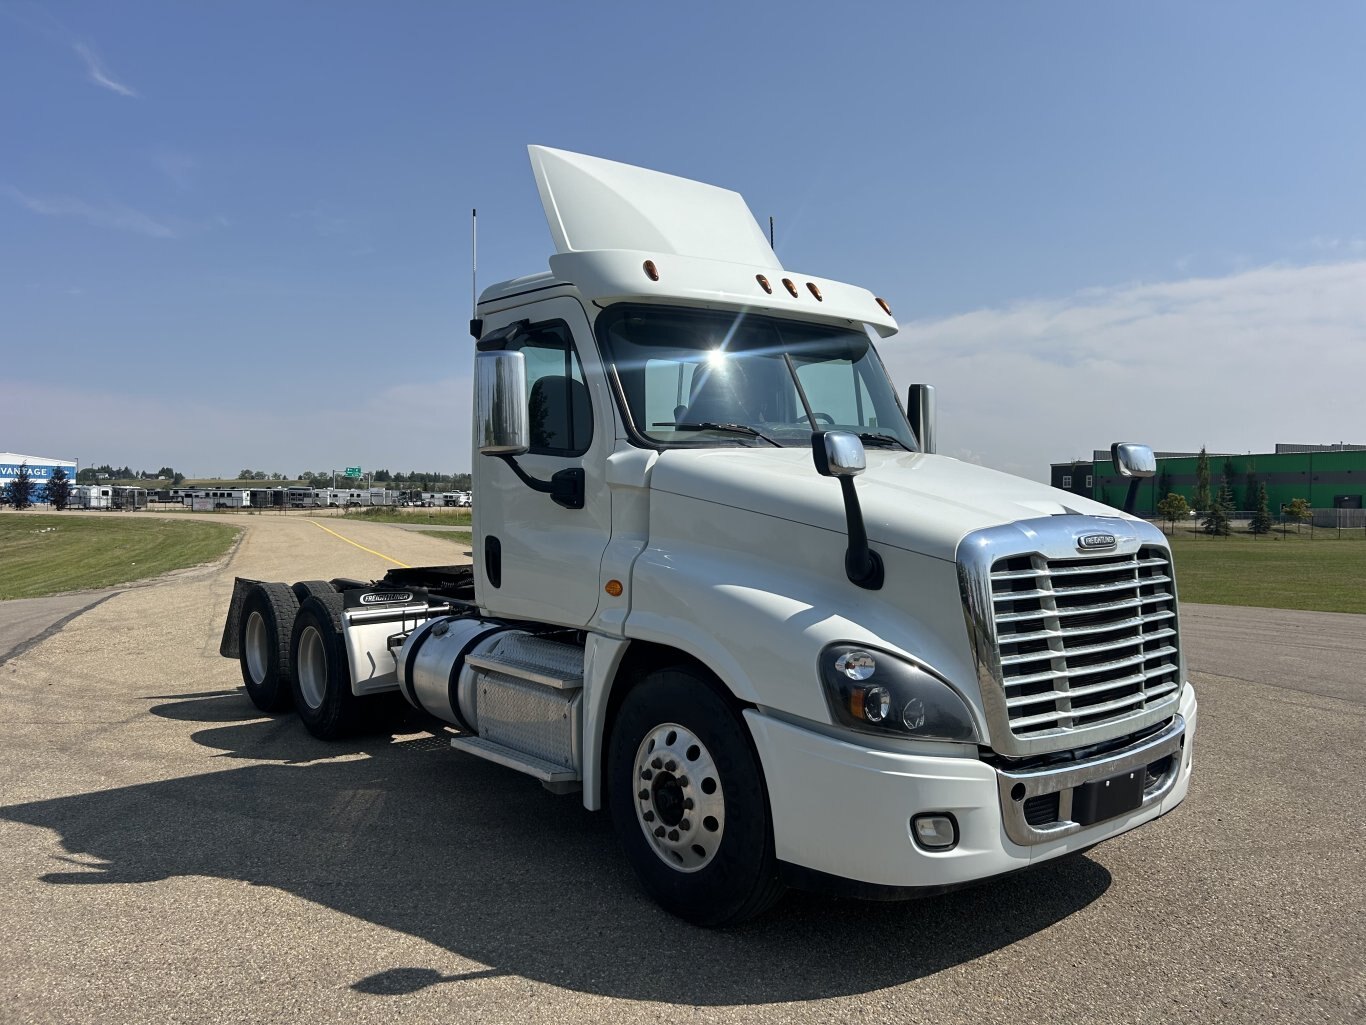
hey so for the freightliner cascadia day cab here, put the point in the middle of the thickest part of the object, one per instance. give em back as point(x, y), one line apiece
point(724, 587)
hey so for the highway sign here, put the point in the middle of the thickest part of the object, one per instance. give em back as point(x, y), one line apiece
point(353, 471)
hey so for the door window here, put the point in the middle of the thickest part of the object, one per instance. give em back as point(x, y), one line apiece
point(558, 409)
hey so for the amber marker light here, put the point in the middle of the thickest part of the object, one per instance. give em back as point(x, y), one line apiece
point(763, 283)
point(885, 308)
point(651, 271)
point(792, 289)
point(811, 287)
point(613, 588)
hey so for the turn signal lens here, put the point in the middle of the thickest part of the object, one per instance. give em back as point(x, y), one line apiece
point(811, 287)
point(613, 587)
point(885, 308)
point(763, 283)
point(791, 288)
point(651, 271)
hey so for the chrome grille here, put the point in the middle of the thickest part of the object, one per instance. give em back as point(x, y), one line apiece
point(1084, 641)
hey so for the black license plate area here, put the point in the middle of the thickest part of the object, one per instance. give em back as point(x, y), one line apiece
point(1106, 798)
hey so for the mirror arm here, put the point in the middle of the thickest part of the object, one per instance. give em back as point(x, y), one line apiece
point(1131, 499)
point(862, 565)
point(565, 488)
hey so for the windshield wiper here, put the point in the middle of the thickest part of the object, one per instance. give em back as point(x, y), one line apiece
point(707, 425)
point(885, 440)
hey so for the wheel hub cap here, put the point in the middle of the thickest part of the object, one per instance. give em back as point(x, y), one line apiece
point(679, 800)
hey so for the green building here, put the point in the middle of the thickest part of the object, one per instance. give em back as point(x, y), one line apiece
point(1329, 476)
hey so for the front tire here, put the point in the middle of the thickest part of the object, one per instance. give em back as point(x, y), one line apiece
point(267, 624)
point(688, 801)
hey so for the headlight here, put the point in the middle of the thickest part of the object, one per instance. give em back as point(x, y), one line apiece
point(880, 693)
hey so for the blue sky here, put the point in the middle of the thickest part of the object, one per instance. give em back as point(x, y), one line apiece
point(237, 235)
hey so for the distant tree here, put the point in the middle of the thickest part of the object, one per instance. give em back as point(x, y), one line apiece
point(1261, 517)
point(259, 475)
point(1173, 508)
point(246, 474)
point(19, 491)
point(381, 477)
point(177, 479)
point(86, 476)
point(1202, 499)
point(1216, 519)
point(1250, 490)
point(59, 489)
point(1230, 471)
point(1299, 511)
point(166, 472)
point(1164, 482)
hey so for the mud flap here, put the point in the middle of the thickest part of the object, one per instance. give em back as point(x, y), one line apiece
point(229, 647)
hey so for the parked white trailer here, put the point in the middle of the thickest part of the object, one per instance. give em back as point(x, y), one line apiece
point(92, 496)
point(724, 584)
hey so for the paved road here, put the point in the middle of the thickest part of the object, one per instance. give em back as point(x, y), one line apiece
point(170, 855)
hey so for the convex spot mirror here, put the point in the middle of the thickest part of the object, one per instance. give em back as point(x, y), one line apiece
point(500, 405)
point(838, 454)
point(1133, 460)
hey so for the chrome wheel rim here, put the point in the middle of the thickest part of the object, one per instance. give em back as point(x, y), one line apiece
point(312, 667)
point(680, 804)
point(256, 645)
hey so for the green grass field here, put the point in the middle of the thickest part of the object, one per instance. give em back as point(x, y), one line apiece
point(398, 514)
point(43, 553)
point(1324, 575)
point(460, 537)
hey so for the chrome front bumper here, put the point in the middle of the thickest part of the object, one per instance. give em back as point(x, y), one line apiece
point(1017, 788)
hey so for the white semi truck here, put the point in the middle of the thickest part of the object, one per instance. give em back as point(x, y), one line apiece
point(724, 586)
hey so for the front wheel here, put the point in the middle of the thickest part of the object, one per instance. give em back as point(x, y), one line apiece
point(688, 802)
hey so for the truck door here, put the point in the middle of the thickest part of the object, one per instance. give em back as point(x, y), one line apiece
point(536, 559)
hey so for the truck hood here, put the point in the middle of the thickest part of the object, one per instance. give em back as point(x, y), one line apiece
point(920, 503)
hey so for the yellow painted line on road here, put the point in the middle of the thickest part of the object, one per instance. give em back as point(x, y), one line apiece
point(360, 546)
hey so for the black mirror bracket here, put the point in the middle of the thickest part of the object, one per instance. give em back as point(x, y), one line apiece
point(840, 455)
point(862, 565)
point(565, 488)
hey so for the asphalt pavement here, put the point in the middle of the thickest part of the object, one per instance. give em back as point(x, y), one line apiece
point(172, 855)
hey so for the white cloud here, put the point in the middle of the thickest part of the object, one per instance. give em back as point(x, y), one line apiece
point(1236, 363)
point(111, 215)
point(96, 72)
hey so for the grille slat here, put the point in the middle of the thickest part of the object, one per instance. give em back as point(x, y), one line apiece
point(1081, 642)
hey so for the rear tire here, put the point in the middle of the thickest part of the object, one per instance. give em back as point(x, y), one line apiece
point(306, 588)
point(320, 676)
point(267, 624)
point(688, 801)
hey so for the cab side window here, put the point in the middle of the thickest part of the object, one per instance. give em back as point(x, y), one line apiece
point(559, 411)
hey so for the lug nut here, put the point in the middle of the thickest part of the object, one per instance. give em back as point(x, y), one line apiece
point(647, 774)
point(644, 795)
point(659, 832)
point(682, 781)
point(673, 834)
point(671, 765)
point(687, 804)
point(649, 816)
point(684, 825)
point(656, 764)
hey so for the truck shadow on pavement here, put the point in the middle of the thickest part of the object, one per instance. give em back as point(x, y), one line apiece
point(405, 833)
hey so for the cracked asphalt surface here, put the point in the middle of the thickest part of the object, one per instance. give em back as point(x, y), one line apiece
point(172, 855)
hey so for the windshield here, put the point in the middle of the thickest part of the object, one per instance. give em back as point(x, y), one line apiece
point(702, 377)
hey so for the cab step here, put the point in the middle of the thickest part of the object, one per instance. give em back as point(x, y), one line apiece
point(552, 776)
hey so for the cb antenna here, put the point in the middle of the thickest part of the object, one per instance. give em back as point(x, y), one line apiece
point(770, 232)
point(476, 325)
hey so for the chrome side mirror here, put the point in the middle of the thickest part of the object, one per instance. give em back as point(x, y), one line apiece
point(500, 405)
point(1133, 460)
point(920, 411)
point(838, 454)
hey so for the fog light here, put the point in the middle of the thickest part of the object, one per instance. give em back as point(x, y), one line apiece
point(935, 832)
